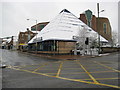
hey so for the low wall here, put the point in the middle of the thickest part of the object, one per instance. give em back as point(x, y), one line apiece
point(110, 49)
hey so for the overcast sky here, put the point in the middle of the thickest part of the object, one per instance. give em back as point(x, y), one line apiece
point(14, 13)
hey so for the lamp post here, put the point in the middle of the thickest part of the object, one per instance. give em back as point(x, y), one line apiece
point(98, 27)
point(36, 36)
point(36, 33)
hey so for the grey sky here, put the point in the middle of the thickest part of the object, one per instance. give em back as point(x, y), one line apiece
point(14, 14)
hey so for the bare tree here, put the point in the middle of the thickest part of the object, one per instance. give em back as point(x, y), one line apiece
point(84, 34)
point(114, 38)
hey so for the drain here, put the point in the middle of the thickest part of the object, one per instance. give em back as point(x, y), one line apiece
point(71, 59)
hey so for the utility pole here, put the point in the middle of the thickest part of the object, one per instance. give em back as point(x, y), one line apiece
point(98, 24)
point(36, 35)
point(98, 29)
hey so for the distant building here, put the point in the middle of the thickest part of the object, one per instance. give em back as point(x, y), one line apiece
point(15, 43)
point(24, 38)
point(40, 26)
point(92, 21)
point(1, 41)
point(10, 44)
point(105, 28)
point(7, 43)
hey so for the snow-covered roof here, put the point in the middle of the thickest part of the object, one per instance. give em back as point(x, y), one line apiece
point(7, 40)
point(103, 39)
point(15, 38)
point(63, 27)
point(35, 31)
point(3, 43)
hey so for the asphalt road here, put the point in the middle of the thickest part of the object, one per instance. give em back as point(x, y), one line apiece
point(29, 71)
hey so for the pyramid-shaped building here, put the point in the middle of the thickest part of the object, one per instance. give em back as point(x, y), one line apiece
point(61, 34)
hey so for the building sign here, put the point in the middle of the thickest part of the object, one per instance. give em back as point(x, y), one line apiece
point(88, 15)
point(22, 44)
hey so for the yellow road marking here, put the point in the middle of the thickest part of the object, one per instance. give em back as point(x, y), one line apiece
point(87, 72)
point(82, 72)
point(107, 66)
point(57, 62)
point(80, 68)
point(60, 67)
point(71, 68)
point(89, 82)
point(66, 78)
point(40, 67)
point(101, 71)
point(109, 62)
point(101, 78)
point(23, 66)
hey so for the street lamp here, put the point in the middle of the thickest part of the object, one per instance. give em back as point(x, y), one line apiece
point(36, 33)
point(98, 27)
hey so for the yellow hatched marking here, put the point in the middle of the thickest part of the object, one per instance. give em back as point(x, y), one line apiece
point(60, 67)
point(66, 78)
point(101, 78)
point(101, 71)
point(109, 62)
point(89, 82)
point(88, 73)
point(82, 72)
point(40, 67)
point(107, 66)
point(72, 68)
point(24, 66)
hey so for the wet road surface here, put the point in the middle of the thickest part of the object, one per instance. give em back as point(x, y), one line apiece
point(29, 71)
point(16, 58)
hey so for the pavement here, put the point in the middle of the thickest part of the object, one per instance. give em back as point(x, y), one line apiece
point(65, 57)
point(65, 71)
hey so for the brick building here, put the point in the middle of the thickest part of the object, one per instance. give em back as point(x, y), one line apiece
point(24, 38)
point(92, 21)
point(40, 26)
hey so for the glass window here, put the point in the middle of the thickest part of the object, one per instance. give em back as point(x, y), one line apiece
point(105, 28)
point(89, 23)
point(49, 46)
point(42, 26)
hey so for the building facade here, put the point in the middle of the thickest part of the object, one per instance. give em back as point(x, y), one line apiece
point(61, 35)
point(7, 43)
point(10, 44)
point(39, 26)
point(53, 47)
point(103, 28)
point(24, 38)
